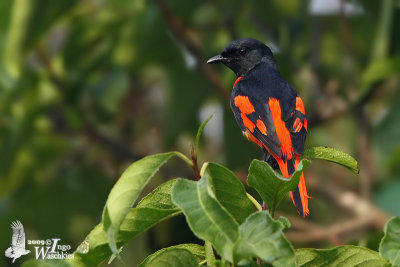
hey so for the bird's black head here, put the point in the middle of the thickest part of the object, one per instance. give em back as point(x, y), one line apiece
point(242, 55)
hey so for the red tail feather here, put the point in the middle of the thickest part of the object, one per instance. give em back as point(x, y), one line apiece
point(300, 196)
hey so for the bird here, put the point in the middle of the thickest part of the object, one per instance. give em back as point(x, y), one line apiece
point(17, 248)
point(267, 109)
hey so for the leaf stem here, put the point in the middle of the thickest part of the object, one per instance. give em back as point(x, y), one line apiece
point(203, 168)
point(193, 155)
point(184, 158)
point(272, 212)
point(254, 201)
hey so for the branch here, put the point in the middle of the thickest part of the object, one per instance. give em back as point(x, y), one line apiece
point(351, 107)
point(337, 233)
point(364, 215)
point(182, 34)
point(119, 149)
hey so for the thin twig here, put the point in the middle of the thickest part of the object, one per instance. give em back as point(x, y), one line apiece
point(337, 233)
point(181, 33)
point(364, 215)
point(348, 109)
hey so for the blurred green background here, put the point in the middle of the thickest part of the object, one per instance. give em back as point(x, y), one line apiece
point(87, 87)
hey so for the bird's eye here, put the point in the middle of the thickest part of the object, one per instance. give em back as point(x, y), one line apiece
point(242, 51)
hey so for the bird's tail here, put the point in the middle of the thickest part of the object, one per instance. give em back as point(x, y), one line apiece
point(299, 196)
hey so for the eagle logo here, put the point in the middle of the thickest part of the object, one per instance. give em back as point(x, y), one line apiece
point(17, 248)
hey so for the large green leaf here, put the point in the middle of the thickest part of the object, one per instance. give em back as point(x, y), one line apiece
point(390, 244)
point(343, 256)
point(207, 218)
point(331, 154)
point(152, 209)
point(272, 186)
point(261, 237)
point(176, 256)
point(229, 191)
point(127, 189)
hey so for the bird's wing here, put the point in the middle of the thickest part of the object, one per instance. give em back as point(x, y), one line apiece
point(18, 236)
point(254, 115)
point(297, 125)
point(278, 123)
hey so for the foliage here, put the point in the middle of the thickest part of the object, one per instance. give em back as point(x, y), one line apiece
point(229, 191)
point(333, 155)
point(390, 244)
point(271, 186)
point(152, 209)
point(219, 211)
point(340, 256)
point(180, 255)
point(261, 237)
point(125, 192)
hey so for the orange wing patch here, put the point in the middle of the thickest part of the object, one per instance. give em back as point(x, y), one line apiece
point(245, 107)
point(244, 104)
point(247, 122)
point(300, 105)
point(281, 130)
point(261, 127)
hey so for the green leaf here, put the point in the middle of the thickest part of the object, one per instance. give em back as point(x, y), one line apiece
point(261, 237)
point(272, 186)
point(285, 222)
point(200, 131)
point(390, 244)
point(229, 191)
point(346, 256)
point(331, 154)
point(207, 218)
point(127, 189)
point(152, 209)
point(180, 254)
point(173, 257)
point(210, 257)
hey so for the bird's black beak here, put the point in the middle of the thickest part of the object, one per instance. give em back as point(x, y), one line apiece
point(217, 59)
